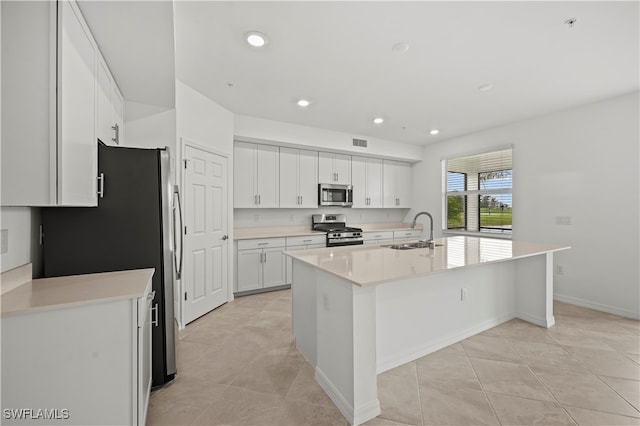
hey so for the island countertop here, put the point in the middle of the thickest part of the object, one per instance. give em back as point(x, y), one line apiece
point(61, 292)
point(374, 264)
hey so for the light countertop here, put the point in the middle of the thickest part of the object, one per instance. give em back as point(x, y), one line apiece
point(374, 264)
point(301, 230)
point(61, 292)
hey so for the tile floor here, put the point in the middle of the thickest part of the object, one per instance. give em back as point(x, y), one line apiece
point(238, 366)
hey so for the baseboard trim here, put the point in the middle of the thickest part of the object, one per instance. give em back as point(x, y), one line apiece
point(596, 306)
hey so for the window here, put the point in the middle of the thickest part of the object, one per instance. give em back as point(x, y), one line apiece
point(478, 192)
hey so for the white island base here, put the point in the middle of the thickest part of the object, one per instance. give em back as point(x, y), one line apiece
point(359, 311)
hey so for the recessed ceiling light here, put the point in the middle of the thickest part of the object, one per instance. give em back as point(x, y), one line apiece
point(303, 103)
point(378, 120)
point(256, 38)
point(401, 47)
point(485, 87)
point(434, 132)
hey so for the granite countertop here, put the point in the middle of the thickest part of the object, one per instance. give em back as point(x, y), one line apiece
point(62, 292)
point(301, 230)
point(373, 264)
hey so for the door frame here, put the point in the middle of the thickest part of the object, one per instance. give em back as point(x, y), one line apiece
point(183, 144)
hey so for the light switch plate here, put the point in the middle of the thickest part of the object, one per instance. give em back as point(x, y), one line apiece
point(4, 241)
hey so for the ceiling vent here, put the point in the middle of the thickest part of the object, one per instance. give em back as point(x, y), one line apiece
point(360, 142)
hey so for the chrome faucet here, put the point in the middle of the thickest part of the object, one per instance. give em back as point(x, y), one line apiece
point(432, 243)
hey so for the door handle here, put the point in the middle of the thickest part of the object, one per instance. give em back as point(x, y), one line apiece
point(178, 266)
point(101, 185)
point(225, 237)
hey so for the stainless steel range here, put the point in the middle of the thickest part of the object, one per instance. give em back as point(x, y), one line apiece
point(338, 233)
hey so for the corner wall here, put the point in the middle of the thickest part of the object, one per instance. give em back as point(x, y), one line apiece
point(581, 163)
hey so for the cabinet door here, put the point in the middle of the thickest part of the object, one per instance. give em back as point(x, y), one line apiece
point(389, 179)
point(326, 173)
point(77, 148)
point(359, 182)
point(374, 182)
point(308, 178)
point(289, 196)
point(104, 103)
point(117, 115)
point(342, 167)
point(249, 269)
point(268, 176)
point(273, 267)
point(404, 187)
point(244, 169)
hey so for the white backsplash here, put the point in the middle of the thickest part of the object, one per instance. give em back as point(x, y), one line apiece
point(251, 218)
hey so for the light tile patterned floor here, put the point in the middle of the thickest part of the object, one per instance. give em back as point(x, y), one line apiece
point(237, 365)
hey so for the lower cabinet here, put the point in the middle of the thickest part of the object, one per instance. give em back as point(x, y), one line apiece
point(378, 237)
point(260, 264)
point(414, 234)
point(305, 242)
point(86, 364)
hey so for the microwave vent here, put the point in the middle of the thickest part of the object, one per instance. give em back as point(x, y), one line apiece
point(360, 142)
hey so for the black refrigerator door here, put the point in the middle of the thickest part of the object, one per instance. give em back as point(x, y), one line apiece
point(123, 232)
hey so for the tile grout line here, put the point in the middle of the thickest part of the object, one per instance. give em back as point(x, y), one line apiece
point(484, 392)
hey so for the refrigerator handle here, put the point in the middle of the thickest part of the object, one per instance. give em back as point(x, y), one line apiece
point(176, 193)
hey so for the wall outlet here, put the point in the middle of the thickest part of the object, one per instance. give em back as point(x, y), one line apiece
point(4, 241)
point(563, 220)
point(559, 270)
point(463, 294)
point(256, 218)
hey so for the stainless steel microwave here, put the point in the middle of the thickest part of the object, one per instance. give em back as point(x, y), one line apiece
point(335, 195)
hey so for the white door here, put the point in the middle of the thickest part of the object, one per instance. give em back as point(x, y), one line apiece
point(205, 267)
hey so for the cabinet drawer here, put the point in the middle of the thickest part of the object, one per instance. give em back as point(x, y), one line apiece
point(261, 243)
point(306, 240)
point(415, 233)
point(378, 235)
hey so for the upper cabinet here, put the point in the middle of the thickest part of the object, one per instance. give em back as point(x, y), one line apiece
point(298, 178)
point(397, 186)
point(255, 175)
point(334, 168)
point(110, 107)
point(366, 176)
point(49, 105)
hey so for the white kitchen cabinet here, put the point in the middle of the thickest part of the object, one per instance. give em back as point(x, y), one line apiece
point(298, 178)
point(407, 235)
point(110, 107)
point(260, 264)
point(378, 237)
point(397, 186)
point(49, 60)
point(90, 357)
point(334, 168)
point(303, 242)
point(256, 172)
point(366, 177)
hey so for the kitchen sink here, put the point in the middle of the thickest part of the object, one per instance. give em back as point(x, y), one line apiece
point(409, 246)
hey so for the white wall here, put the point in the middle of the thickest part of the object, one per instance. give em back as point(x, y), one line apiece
point(250, 218)
point(253, 129)
point(581, 163)
point(201, 121)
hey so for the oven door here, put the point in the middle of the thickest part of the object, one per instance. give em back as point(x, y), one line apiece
point(335, 195)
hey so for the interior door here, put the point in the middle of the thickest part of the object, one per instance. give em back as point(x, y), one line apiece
point(206, 235)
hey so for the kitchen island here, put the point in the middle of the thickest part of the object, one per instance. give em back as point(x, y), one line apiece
point(361, 310)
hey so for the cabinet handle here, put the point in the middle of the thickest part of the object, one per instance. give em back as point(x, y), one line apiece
point(154, 311)
point(265, 257)
point(306, 241)
point(101, 185)
point(258, 199)
point(151, 295)
point(116, 129)
point(262, 244)
point(301, 200)
point(255, 199)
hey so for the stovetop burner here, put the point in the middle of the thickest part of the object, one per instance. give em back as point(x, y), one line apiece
point(338, 233)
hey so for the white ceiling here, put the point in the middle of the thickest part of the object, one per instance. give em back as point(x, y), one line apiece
point(339, 55)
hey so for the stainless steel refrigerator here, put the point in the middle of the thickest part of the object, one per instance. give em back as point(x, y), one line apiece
point(132, 227)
